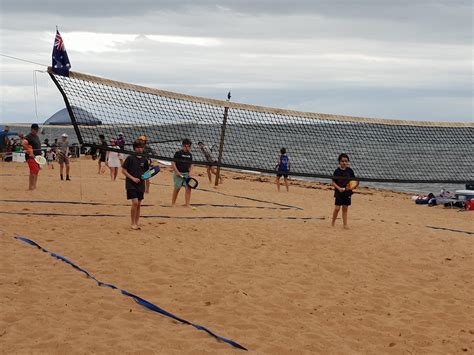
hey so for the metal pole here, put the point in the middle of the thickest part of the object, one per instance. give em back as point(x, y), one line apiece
point(221, 146)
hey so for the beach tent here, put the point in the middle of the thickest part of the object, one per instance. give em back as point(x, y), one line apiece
point(82, 116)
point(10, 132)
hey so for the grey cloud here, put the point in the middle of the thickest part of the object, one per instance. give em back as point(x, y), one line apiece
point(449, 21)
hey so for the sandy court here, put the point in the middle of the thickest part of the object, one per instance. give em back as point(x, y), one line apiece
point(271, 274)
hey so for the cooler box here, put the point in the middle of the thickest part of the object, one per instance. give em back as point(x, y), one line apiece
point(469, 205)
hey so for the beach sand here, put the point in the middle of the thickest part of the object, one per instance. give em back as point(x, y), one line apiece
point(273, 284)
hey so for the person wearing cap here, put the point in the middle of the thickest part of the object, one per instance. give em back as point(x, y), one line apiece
point(63, 156)
point(113, 159)
point(120, 141)
point(32, 146)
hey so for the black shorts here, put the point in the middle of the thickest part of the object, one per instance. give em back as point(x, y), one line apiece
point(284, 175)
point(132, 194)
point(342, 199)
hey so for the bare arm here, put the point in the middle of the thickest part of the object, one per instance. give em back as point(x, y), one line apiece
point(337, 187)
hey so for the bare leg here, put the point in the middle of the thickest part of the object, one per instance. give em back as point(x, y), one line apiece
point(31, 180)
point(137, 212)
point(334, 215)
point(209, 175)
point(133, 212)
point(174, 196)
point(147, 186)
point(286, 184)
point(214, 171)
point(344, 216)
point(67, 170)
point(277, 181)
point(115, 173)
point(187, 196)
point(61, 170)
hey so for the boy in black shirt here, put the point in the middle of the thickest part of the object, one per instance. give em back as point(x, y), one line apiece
point(342, 192)
point(181, 170)
point(133, 167)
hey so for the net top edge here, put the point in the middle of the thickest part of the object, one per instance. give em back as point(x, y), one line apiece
point(249, 107)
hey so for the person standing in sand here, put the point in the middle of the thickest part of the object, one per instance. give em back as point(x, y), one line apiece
point(133, 167)
point(63, 156)
point(102, 151)
point(211, 170)
point(112, 160)
point(32, 146)
point(282, 167)
point(182, 168)
point(342, 192)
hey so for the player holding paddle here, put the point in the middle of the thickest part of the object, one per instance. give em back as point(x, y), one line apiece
point(343, 187)
point(133, 168)
point(182, 168)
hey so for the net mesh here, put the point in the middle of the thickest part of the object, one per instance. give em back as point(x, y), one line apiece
point(380, 150)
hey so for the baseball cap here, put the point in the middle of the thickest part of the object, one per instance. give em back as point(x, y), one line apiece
point(64, 135)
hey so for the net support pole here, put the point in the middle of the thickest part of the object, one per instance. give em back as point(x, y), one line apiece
point(221, 146)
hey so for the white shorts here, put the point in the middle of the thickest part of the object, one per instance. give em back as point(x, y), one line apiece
point(114, 163)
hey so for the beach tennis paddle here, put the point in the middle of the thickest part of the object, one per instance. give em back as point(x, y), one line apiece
point(150, 172)
point(191, 182)
point(41, 160)
point(352, 185)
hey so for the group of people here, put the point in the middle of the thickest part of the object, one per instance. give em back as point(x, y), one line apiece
point(9, 144)
point(135, 165)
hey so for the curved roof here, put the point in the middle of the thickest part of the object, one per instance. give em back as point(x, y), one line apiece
point(82, 116)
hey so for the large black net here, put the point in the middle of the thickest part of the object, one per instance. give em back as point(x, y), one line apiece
point(251, 136)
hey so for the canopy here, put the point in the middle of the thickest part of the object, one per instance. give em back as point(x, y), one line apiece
point(82, 117)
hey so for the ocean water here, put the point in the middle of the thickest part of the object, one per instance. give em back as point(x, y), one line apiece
point(244, 147)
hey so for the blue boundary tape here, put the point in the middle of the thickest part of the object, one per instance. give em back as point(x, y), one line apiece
point(136, 298)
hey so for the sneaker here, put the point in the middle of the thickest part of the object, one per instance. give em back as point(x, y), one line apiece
point(67, 178)
point(62, 178)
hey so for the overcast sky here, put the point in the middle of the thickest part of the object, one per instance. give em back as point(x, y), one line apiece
point(402, 59)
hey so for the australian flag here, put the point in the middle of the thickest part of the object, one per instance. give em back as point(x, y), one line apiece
point(61, 63)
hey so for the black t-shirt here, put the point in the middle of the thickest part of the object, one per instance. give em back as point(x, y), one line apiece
point(136, 166)
point(35, 143)
point(186, 159)
point(102, 150)
point(348, 175)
